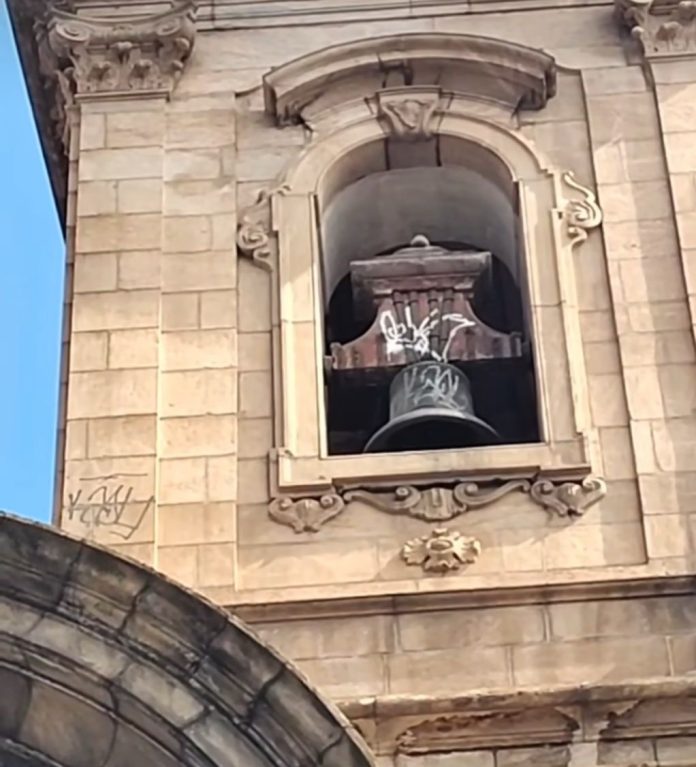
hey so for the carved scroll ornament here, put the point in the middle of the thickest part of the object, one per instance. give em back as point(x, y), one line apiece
point(436, 504)
point(306, 514)
point(580, 215)
point(568, 499)
point(662, 28)
point(440, 504)
point(441, 550)
point(254, 237)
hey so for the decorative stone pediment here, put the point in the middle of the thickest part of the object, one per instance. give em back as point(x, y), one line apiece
point(482, 67)
point(663, 28)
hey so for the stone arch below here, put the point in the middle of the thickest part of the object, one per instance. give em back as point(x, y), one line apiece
point(106, 663)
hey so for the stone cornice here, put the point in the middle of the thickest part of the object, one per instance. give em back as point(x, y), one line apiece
point(262, 607)
point(650, 707)
point(664, 29)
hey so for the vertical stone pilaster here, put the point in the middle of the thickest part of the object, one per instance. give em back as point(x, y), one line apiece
point(110, 489)
point(640, 132)
point(111, 85)
point(197, 384)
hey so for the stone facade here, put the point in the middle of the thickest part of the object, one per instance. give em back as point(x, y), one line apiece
point(202, 148)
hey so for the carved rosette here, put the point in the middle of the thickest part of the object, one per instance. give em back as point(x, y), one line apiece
point(662, 28)
point(580, 214)
point(81, 56)
point(441, 550)
point(254, 237)
point(441, 504)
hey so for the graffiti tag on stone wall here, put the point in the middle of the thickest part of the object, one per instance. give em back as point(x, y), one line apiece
point(407, 335)
point(109, 508)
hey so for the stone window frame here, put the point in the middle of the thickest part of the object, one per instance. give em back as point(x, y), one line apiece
point(556, 213)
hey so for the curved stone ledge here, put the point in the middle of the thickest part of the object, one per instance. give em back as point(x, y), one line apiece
point(103, 661)
point(462, 63)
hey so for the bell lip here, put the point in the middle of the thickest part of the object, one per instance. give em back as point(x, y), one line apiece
point(438, 414)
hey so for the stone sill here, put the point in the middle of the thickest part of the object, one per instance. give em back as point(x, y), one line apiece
point(658, 578)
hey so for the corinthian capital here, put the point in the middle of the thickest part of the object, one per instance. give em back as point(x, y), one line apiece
point(116, 55)
point(663, 28)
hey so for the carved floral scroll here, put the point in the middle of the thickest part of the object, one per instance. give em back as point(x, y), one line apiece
point(436, 504)
point(439, 504)
point(580, 215)
point(568, 499)
point(254, 236)
point(306, 514)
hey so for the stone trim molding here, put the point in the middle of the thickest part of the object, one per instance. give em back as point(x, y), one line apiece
point(126, 56)
point(663, 28)
point(129, 662)
point(527, 76)
point(438, 503)
point(601, 584)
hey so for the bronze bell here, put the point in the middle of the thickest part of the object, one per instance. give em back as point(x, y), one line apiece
point(430, 408)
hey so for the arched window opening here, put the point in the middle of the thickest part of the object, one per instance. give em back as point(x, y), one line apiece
point(427, 327)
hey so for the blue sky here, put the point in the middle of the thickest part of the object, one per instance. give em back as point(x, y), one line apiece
point(31, 285)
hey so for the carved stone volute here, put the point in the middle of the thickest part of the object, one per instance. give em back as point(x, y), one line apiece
point(120, 56)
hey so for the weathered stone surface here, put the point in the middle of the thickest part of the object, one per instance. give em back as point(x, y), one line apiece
point(163, 649)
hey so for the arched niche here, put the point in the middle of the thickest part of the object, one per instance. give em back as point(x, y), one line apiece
point(460, 196)
point(447, 105)
point(103, 661)
point(529, 189)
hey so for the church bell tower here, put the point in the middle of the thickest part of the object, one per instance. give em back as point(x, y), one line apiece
point(380, 334)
